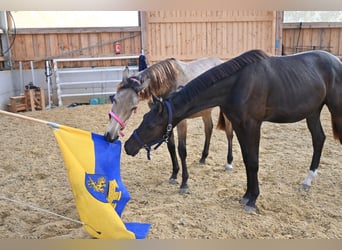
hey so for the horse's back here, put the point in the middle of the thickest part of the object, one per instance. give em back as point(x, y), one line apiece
point(195, 68)
point(291, 87)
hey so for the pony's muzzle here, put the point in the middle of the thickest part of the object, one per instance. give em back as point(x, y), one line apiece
point(109, 137)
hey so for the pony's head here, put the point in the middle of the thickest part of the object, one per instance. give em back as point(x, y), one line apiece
point(154, 129)
point(125, 102)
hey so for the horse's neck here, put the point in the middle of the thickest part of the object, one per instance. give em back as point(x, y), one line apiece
point(185, 105)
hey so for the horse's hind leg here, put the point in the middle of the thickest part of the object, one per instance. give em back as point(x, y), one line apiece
point(208, 129)
point(318, 138)
point(175, 167)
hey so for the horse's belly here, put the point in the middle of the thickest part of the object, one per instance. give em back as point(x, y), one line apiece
point(288, 115)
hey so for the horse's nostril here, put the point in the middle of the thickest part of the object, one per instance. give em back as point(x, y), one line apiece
point(108, 137)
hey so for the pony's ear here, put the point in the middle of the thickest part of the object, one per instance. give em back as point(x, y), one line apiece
point(125, 74)
point(144, 84)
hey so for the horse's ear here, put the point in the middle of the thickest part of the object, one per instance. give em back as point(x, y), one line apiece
point(155, 99)
point(158, 102)
point(125, 74)
point(143, 84)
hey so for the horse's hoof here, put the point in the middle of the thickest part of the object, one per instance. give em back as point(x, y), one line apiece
point(304, 187)
point(244, 201)
point(173, 181)
point(249, 209)
point(202, 162)
point(184, 190)
point(229, 168)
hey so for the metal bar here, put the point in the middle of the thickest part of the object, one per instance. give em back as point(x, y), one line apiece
point(117, 68)
point(95, 58)
point(88, 94)
point(88, 82)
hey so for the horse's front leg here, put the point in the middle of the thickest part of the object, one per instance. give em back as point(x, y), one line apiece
point(175, 167)
point(181, 131)
point(249, 140)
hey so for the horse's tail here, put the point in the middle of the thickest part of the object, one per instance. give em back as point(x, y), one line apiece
point(221, 123)
point(336, 122)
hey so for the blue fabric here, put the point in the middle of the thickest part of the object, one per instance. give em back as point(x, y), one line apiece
point(107, 163)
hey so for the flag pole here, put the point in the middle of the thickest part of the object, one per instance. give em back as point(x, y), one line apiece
point(52, 124)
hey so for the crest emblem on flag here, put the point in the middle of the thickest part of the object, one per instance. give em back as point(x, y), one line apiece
point(103, 189)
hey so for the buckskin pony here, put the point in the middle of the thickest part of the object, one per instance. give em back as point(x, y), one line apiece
point(161, 79)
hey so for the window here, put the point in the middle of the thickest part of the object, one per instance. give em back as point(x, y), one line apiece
point(72, 19)
point(312, 16)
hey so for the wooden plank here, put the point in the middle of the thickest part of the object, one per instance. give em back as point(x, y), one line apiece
point(338, 47)
point(45, 31)
point(333, 41)
point(315, 25)
point(210, 19)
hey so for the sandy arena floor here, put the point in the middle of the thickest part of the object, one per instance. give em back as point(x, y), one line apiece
point(32, 171)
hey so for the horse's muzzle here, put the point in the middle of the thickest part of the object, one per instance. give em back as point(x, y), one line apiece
point(131, 148)
point(109, 138)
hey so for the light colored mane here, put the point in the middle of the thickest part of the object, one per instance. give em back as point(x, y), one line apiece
point(166, 76)
point(163, 77)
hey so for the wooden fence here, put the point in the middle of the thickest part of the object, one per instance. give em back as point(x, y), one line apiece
point(38, 45)
point(299, 37)
point(188, 35)
point(185, 35)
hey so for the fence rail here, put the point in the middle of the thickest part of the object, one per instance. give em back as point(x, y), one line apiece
point(82, 86)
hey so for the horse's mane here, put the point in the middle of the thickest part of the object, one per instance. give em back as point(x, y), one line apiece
point(220, 72)
point(162, 76)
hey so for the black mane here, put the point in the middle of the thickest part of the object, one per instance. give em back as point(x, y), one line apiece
point(224, 70)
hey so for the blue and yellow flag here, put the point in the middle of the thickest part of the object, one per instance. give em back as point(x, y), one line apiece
point(93, 167)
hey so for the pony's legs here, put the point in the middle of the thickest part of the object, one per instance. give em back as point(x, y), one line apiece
point(249, 140)
point(181, 132)
point(172, 150)
point(224, 123)
point(229, 134)
point(208, 129)
point(318, 138)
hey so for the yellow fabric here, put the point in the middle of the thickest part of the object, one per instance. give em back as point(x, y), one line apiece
point(78, 153)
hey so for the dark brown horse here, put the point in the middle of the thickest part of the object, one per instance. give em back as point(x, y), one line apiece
point(250, 89)
point(160, 80)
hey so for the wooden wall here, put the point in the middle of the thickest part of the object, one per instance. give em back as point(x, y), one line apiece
point(188, 35)
point(299, 37)
point(185, 35)
point(40, 44)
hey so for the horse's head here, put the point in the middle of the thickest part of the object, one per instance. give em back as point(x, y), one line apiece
point(154, 129)
point(125, 102)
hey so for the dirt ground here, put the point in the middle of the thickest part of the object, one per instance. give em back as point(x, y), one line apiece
point(32, 172)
